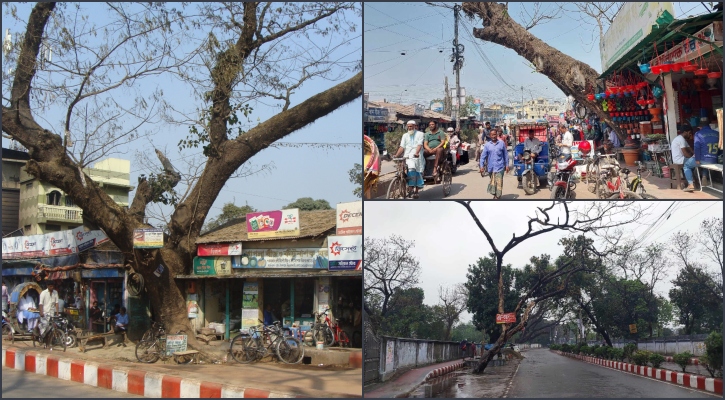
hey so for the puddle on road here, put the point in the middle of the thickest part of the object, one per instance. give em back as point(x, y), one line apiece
point(462, 384)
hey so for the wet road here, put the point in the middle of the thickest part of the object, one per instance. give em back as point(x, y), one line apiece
point(546, 374)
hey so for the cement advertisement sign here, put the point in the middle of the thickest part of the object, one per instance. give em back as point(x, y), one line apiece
point(345, 253)
point(349, 218)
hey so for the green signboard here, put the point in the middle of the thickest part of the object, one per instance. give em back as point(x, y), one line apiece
point(212, 265)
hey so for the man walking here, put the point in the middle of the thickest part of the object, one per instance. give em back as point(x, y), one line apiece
point(683, 154)
point(497, 156)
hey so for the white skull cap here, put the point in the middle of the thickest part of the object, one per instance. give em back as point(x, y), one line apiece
point(411, 122)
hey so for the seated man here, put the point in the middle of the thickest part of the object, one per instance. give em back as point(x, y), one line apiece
point(435, 138)
point(25, 305)
point(706, 149)
point(683, 154)
point(533, 145)
point(269, 318)
point(121, 321)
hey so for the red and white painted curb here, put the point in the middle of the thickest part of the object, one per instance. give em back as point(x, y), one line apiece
point(126, 380)
point(444, 370)
point(700, 382)
point(692, 361)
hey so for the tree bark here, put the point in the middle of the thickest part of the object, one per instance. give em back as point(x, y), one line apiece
point(573, 77)
point(592, 318)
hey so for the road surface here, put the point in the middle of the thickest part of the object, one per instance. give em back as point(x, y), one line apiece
point(546, 374)
point(25, 385)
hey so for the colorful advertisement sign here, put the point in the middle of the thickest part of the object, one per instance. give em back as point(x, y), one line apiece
point(250, 298)
point(61, 243)
point(250, 317)
point(508, 318)
point(345, 253)
point(288, 258)
point(33, 246)
point(631, 25)
point(88, 239)
point(691, 48)
point(216, 249)
point(271, 224)
point(148, 238)
point(212, 266)
point(51, 244)
point(349, 218)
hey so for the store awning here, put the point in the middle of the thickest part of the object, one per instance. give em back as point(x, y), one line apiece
point(271, 273)
point(664, 36)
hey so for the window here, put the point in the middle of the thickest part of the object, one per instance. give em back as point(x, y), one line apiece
point(52, 228)
point(69, 202)
point(53, 198)
point(26, 230)
point(29, 185)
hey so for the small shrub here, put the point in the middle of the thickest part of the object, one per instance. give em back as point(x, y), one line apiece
point(629, 350)
point(617, 354)
point(713, 354)
point(640, 357)
point(584, 350)
point(682, 359)
point(599, 351)
point(566, 348)
point(656, 359)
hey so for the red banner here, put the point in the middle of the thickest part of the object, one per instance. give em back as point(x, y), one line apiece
point(508, 318)
point(226, 249)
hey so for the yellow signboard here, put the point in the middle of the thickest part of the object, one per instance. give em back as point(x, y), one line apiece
point(633, 328)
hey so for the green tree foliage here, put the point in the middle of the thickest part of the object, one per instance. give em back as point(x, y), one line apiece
point(357, 177)
point(308, 204)
point(482, 286)
point(713, 354)
point(469, 107)
point(619, 302)
point(656, 359)
point(700, 311)
point(229, 213)
point(468, 332)
point(408, 317)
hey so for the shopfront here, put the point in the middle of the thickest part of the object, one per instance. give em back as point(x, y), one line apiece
point(287, 276)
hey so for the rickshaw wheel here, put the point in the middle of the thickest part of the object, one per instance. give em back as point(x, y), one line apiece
point(447, 179)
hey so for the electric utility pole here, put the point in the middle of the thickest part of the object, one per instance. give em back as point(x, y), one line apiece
point(457, 59)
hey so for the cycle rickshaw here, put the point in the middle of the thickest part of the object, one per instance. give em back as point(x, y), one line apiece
point(531, 173)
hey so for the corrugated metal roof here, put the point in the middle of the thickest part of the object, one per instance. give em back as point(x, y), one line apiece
point(410, 110)
point(312, 224)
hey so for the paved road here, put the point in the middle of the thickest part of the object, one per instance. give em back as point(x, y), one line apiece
point(25, 385)
point(546, 374)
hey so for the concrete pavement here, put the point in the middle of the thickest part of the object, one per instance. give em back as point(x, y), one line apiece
point(24, 385)
point(404, 384)
point(171, 380)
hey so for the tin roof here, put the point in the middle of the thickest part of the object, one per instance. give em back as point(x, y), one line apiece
point(312, 224)
point(410, 110)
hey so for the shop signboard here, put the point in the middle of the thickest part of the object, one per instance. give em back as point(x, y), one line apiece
point(633, 328)
point(323, 294)
point(11, 247)
point(376, 114)
point(250, 317)
point(60, 243)
point(349, 218)
point(175, 344)
point(272, 224)
point(219, 249)
point(507, 318)
point(148, 238)
point(345, 253)
point(289, 258)
point(88, 239)
point(212, 266)
point(689, 49)
point(33, 246)
point(436, 106)
point(631, 25)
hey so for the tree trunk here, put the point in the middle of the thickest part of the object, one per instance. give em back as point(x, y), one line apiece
point(599, 328)
point(571, 76)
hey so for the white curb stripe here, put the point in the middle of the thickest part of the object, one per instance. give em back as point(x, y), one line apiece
point(152, 384)
point(90, 374)
point(232, 392)
point(120, 380)
point(64, 369)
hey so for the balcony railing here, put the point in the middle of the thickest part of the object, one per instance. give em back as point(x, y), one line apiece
point(60, 213)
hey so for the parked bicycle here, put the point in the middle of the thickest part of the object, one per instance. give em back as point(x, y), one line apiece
point(398, 188)
point(324, 330)
point(636, 185)
point(261, 341)
point(152, 346)
point(54, 337)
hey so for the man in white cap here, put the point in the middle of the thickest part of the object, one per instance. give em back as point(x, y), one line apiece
point(454, 141)
point(411, 147)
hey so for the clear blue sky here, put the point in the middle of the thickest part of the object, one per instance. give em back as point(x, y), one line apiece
point(421, 30)
point(298, 172)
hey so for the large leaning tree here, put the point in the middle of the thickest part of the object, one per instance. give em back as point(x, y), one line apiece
point(102, 86)
point(544, 279)
point(573, 77)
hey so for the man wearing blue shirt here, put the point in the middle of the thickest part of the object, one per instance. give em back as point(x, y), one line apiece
point(706, 148)
point(269, 318)
point(497, 156)
point(121, 321)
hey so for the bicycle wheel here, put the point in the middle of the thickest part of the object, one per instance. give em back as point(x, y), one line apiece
point(243, 349)
point(396, 189)
point(627, 196)
point(447, 179)
point(343, 339)
point(323, 333)
point(8, 333)
point(71, 339)
point(289, 350)
point(147, 351)
point(57, 340)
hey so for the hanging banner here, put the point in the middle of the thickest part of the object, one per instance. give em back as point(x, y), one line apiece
point(212, 266)
point(290, 258)
point(88, 239)
point(250, 299)
point(690, 48)
point(60, 243)
point(323, 294)
point(250, 317)
point(631, 25)
point(219, 249)
point(271, 224)
point(12, 247)
point(349, 218)
point(33, 246)
point(148, 238)
point(345, 253)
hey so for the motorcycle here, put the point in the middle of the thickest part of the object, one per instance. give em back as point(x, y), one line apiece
point(70, 331)
point(563, 184)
